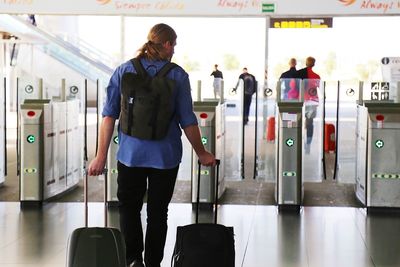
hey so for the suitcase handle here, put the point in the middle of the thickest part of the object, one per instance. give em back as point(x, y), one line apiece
point(86, 196)
point(216, 190)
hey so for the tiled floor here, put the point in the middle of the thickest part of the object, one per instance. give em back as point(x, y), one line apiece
point(315, 237)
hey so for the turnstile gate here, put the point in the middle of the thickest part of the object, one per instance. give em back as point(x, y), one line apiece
point(289, 183)
point(210, 115)
point(3, 135)
point(378, 141)
point(36, 117)
point(51, 149)
point(112, 168)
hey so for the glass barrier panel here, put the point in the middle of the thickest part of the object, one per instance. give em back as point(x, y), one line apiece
point(290, 90)
point(266, 133)
point(234, 133)
point(313, 91)
point(349, 91)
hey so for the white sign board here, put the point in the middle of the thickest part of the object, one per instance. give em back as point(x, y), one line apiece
point(202, 7)
point(391, 73)
point(390, 69)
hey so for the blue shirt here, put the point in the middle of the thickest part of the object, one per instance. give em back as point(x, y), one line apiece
point(161, 154)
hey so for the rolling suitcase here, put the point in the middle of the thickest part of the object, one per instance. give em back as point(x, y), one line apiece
point(96, 246)
point(204, 244)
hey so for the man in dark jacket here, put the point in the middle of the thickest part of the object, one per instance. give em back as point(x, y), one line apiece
point(217, 84)
point(250, 87)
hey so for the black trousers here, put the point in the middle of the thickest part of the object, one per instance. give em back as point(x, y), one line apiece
point(246, 107)
point(132, 186)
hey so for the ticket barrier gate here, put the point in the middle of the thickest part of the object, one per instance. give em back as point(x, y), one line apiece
point(3, 137)
point(35, 116)
point(49, 135)
point(112, 170)
point(377, 160)
point(210, 116)
point(289, 184)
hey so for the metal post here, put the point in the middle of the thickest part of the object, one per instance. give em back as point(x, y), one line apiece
point(63, 91)
point(40, 89)
point(222, 93)
point(199, 90)
point(278, 92)
point(361, 92)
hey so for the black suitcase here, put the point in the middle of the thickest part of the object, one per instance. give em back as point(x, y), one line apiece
point(96, 246)
point(204, 244)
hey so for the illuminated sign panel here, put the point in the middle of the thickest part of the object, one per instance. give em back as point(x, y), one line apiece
point(303, 23)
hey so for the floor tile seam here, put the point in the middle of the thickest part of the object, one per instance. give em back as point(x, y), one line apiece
point(34, 263)
point(306, 239)
point(2, 247)
point(54, 258)
point(16, 238)
point(13, 261)
point(251, 230)
point(260, 185)
point(359, 210)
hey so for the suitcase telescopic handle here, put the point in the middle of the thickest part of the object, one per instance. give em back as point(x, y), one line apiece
point(216, 190)
point(86, 196)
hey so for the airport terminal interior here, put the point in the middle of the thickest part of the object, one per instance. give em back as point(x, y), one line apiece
point(310, 181)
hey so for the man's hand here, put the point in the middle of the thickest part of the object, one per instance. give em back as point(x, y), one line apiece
point(96, 167)
point(207, 159)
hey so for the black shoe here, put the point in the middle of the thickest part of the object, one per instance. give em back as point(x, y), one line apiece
point(136, 263)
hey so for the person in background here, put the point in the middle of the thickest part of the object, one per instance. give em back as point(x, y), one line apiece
point(250, 87)
point(146, 165)
point(32, 19)
point(289, 81)
point(217, 84)
point(311, 100)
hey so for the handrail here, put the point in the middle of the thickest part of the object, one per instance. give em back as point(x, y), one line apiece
point(88, 49)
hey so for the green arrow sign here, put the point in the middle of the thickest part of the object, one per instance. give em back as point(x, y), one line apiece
point(204, 140)
point(289, 142)
point(290, 174)
point(379, 143)
point(115, 140)
point(30, 139)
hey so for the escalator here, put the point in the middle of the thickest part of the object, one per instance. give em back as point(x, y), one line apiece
point(81, 59)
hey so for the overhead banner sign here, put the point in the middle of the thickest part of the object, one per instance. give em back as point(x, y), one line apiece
point(201, 7)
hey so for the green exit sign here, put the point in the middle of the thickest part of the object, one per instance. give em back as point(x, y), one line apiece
point(268, 7)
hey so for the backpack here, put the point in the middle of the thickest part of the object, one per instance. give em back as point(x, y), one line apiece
point(146, 102)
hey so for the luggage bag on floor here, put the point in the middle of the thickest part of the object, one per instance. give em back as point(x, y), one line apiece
point(204, 244)
point(96, 246)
